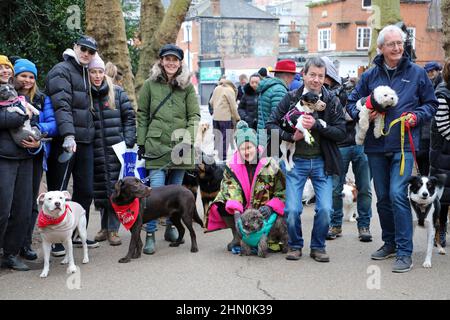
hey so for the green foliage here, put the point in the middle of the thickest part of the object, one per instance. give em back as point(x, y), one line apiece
point(131, 30)
point(38, 30)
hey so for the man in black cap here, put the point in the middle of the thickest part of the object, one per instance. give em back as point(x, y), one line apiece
point(68, 86)
point(433, 70)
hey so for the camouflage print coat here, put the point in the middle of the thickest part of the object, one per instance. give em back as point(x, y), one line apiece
point(238, 194)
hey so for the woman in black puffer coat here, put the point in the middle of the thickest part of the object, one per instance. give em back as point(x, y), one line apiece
point(440, 145)
point(114, 120)
point(248, 105)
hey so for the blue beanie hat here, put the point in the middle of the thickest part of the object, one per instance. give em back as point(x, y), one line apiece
point(433, 65)
point(25, 65)
point(244, 133)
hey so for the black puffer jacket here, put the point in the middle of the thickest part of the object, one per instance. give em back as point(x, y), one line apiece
point(248, 106)
point(8, 148)
point(330, 135)
point(111, 127)
point(68, 86)
point(440, 145)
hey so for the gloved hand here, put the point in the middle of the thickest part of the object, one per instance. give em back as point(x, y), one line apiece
point(140, 152)
point(69, 144)
point(411, 119)
point(266, 211)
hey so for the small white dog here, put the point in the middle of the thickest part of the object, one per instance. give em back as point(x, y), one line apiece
point(308, 103)
point(57, 221)
point(308, 192)
point(382, 99)
point(349, 197)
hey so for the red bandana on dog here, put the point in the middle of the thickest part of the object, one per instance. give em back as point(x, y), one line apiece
point(128, 213)
point(45, 221)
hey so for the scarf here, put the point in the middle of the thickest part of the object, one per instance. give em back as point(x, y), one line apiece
point(128, 213)
point(45, 221)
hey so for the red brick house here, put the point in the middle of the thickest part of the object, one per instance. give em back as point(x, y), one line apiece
point(339, 29)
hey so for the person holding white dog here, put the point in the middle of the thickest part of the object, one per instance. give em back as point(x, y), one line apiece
point(416, 104)
point(354, 154)
point(319, 160)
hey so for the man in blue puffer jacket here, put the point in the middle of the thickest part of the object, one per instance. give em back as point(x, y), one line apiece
point(418, 102)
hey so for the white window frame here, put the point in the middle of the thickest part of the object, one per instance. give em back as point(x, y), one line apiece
point(185, 31)
point(321, 39)
point(413, 31)
point(360, 38)
point(366, 7)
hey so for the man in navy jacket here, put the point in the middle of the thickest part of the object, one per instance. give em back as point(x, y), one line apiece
point(417, 101)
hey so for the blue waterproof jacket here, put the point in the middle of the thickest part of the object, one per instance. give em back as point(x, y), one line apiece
point(416, 95)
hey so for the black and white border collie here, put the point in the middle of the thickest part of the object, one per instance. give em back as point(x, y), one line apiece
point(424, 194)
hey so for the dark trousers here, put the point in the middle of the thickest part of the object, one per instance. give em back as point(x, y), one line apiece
point(80, 166)
point(16, 202)
point(222, 141)
point(423, 163)
point(37, 176)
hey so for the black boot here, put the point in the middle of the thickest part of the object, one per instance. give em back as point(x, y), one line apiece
point(229, 221)
point(28, 253)
point(13, 262)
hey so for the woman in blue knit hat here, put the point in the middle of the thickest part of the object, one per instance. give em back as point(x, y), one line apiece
point(249, 181)
point(25, 78)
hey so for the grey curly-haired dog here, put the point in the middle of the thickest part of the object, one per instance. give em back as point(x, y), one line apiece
point(251, 223)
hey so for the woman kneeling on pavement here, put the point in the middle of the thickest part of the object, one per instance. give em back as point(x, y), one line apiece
point(114, 120)
point(249, 181)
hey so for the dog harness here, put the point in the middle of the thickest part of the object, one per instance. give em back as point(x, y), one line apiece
point(128, 213)
point(252, 239)
point(45, 221)
point(293, 113)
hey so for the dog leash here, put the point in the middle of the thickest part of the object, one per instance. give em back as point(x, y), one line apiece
point(147, 157)
point(403, 123)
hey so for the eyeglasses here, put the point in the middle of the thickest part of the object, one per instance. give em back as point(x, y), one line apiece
point(394, 43)
point(89, 50)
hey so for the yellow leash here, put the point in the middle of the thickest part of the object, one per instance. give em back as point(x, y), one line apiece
point(402, 121)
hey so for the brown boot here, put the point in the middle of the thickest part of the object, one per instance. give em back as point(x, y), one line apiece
point(114, 239)
point(102, 235)
point(229, 221)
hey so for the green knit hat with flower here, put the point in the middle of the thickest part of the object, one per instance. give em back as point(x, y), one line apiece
point(244, 133)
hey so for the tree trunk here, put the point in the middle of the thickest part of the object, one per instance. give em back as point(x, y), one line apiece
point(166, 33)
point(385, 12)
point(152, 14)
point(105, 23)
point(445, 9)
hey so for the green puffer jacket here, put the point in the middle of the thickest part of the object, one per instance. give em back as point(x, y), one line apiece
point(181, 111)
point(271, 91)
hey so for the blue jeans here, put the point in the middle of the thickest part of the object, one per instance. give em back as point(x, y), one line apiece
point(393, 205)
point(159, 178)
point(109, 220)
point(323, 187)
point(360, 166)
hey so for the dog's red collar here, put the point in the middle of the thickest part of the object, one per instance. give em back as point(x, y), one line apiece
point(128, 213)
point(45, 221)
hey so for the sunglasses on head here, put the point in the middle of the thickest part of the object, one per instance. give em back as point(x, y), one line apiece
point(89, 50)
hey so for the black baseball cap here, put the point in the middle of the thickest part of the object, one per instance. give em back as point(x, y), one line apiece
point(87, 42)
point(171, 49)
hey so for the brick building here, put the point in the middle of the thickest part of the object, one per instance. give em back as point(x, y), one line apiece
point(228, 36)
point(339, 29)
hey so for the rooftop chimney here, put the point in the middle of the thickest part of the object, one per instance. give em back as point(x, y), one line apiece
point(215, 7)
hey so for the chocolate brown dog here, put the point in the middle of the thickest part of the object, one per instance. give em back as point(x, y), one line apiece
point(172, 201)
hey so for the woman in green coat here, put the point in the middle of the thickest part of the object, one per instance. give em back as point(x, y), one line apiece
point(167, 112)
